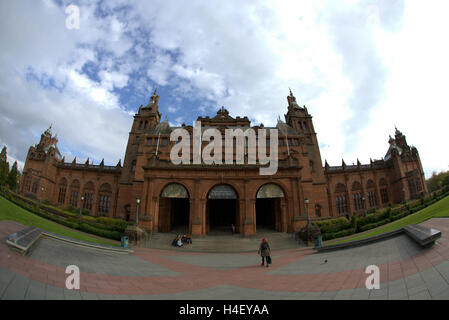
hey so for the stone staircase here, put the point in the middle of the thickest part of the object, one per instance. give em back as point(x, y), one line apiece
point(223, 241)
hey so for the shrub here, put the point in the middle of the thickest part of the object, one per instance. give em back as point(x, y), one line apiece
point(374, 225)
point(354, 222)
point(332, 225)
point(343, 233)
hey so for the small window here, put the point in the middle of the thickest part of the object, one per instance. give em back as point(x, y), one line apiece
point(133, 166)
point(296, 142)
point(281, 142)
point(164, 142)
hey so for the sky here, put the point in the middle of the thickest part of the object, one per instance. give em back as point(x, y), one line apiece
point(361, 68)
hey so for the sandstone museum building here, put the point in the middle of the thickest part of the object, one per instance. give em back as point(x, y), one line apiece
point(201, 198)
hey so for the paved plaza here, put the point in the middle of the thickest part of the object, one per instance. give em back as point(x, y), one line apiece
point(406, 272)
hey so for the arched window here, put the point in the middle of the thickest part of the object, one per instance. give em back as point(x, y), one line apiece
point(317, 210)
point(140, 124)
point(88, 194)
point(133, 166)
point(371, 190)
point(146, 125)
point(62, 190)
point(357, 196)
point(27, 183)
point(340, 199)
point(383, 190)
point(105, 198)
point(311, 166)
point(300, 125)
point(35, 186)
point(74, 193)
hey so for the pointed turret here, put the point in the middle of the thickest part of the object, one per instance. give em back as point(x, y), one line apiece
point(292, 101)
point(102, 163)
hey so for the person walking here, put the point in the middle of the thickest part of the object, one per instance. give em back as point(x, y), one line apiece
point(265, 252)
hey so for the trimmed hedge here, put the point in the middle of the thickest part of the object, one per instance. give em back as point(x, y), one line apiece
point(332, 225)
point(343, 233)
point(373, 225)
point(341, 227)
point(104, 227)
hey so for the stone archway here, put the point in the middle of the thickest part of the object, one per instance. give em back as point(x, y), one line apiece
point(174, 209)
point(222, 209)
point(268, 207)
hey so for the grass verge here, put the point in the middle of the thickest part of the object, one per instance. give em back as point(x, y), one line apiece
point(12, 212)
point(439, 209)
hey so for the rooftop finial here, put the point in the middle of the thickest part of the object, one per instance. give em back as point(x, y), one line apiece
point(155, 90)
point(291, 94)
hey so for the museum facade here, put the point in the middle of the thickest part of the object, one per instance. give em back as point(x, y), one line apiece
point(201, 197)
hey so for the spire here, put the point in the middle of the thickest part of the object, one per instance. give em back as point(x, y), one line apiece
point(74, 161)
point(155, 91)
point(292, 100)
point(102, 163)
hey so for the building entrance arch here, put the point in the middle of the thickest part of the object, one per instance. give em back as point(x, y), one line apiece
point(268, 207)
point(222, 209)
point(174, 209)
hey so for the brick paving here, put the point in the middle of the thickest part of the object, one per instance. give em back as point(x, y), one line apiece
point(406, 272)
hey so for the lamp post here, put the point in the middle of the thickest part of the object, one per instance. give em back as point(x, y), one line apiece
point(81, 204)
point(307, 208)
point(364, 206)
point(42, 189)
point(137, 211)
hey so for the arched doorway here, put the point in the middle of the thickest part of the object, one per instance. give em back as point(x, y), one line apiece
point(222, 209)
point(174, 209)
point(268, 207)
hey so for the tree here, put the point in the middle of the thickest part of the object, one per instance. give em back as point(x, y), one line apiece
point(12, 177)
point(445, 181)
point(4, 166)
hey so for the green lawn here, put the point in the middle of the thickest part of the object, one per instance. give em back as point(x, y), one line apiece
point(12, 212)
point(438, 209)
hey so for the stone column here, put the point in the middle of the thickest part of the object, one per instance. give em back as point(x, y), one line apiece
point(283, 215)
point(242, 215)
point(196, 225)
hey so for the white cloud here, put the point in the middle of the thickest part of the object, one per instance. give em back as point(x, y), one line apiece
point(359, 66)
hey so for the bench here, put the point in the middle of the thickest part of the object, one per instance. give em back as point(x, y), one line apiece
point(23, 240)
point(424, 236)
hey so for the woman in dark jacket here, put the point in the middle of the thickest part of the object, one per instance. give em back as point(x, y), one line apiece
point(265, 252)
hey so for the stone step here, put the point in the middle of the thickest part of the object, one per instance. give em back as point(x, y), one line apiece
point(224, 242)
